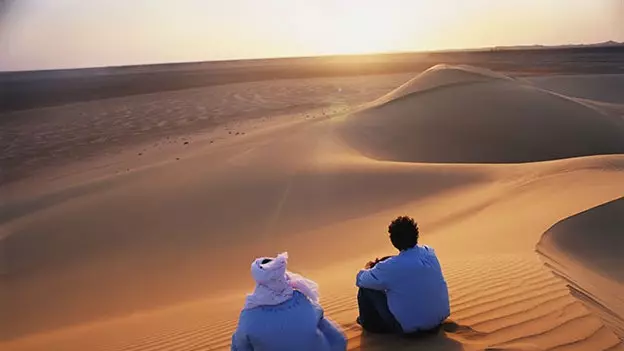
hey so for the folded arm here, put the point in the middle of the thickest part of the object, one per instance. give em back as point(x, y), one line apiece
point(373, 278)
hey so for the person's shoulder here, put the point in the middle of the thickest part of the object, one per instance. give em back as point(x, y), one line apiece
point(429, 257)
point(427, 249)
point(300, 302)
point(388, 263)
point(247, 318)
point(419, 255)
point(299, 299)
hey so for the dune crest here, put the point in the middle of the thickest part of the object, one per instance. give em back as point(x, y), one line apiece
point(442, 75)
point(585, 251)
point(443, 116)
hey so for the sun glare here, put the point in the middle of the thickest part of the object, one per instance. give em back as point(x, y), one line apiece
point(370, 26)
point(362, 32)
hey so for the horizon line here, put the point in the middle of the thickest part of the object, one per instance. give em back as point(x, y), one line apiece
point(380, 53)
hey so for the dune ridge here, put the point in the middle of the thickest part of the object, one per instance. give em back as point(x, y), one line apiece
point(443, 115)
point(439, 76)
point(585, 251)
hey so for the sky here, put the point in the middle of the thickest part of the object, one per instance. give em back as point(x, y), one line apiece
point(49, 34)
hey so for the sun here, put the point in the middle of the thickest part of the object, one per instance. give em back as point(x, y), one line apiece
point(362, 26)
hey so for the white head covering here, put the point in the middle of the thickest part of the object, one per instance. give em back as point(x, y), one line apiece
point(274, 284)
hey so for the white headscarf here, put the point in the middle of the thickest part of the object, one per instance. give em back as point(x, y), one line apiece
point(274, 284)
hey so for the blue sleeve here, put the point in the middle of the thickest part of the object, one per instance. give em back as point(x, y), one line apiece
point(333, 334)
point(374, 278)
point(240, 342)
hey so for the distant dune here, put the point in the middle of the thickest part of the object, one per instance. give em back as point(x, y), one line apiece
point(604, 44)
point(469, 115)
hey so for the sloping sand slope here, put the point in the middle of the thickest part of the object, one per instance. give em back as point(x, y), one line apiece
point(606, 88)
point(454, 114)
point(158, 258)
point(586, 250)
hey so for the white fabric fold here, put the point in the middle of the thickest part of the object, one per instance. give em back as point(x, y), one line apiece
point(275, 285)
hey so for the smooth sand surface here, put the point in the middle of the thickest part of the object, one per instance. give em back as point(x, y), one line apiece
point(36, 139)
point(157, 257)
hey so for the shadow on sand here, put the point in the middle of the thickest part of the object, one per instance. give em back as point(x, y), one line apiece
point(439, 339)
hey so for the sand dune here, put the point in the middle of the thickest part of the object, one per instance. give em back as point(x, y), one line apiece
point(586, 251)
point(157, 258)
point(455, 114)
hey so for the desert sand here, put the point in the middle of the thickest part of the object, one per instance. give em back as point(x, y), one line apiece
point(152, 251)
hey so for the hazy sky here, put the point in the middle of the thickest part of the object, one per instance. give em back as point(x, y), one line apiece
point(43, 34)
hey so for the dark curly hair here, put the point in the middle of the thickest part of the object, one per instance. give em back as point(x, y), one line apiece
point(403, 233)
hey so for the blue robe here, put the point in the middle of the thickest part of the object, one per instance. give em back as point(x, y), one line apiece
point(296, 324)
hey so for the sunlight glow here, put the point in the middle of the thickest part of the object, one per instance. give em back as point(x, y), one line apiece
point(77, 33)
point(362, 32)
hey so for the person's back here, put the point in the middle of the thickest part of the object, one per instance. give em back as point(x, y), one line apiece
point(416, 290)
point(408, 289)
point(297, 324)
point(283, 313)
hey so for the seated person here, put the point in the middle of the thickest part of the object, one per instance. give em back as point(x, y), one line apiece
point(283, 314)
point(405, 293)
